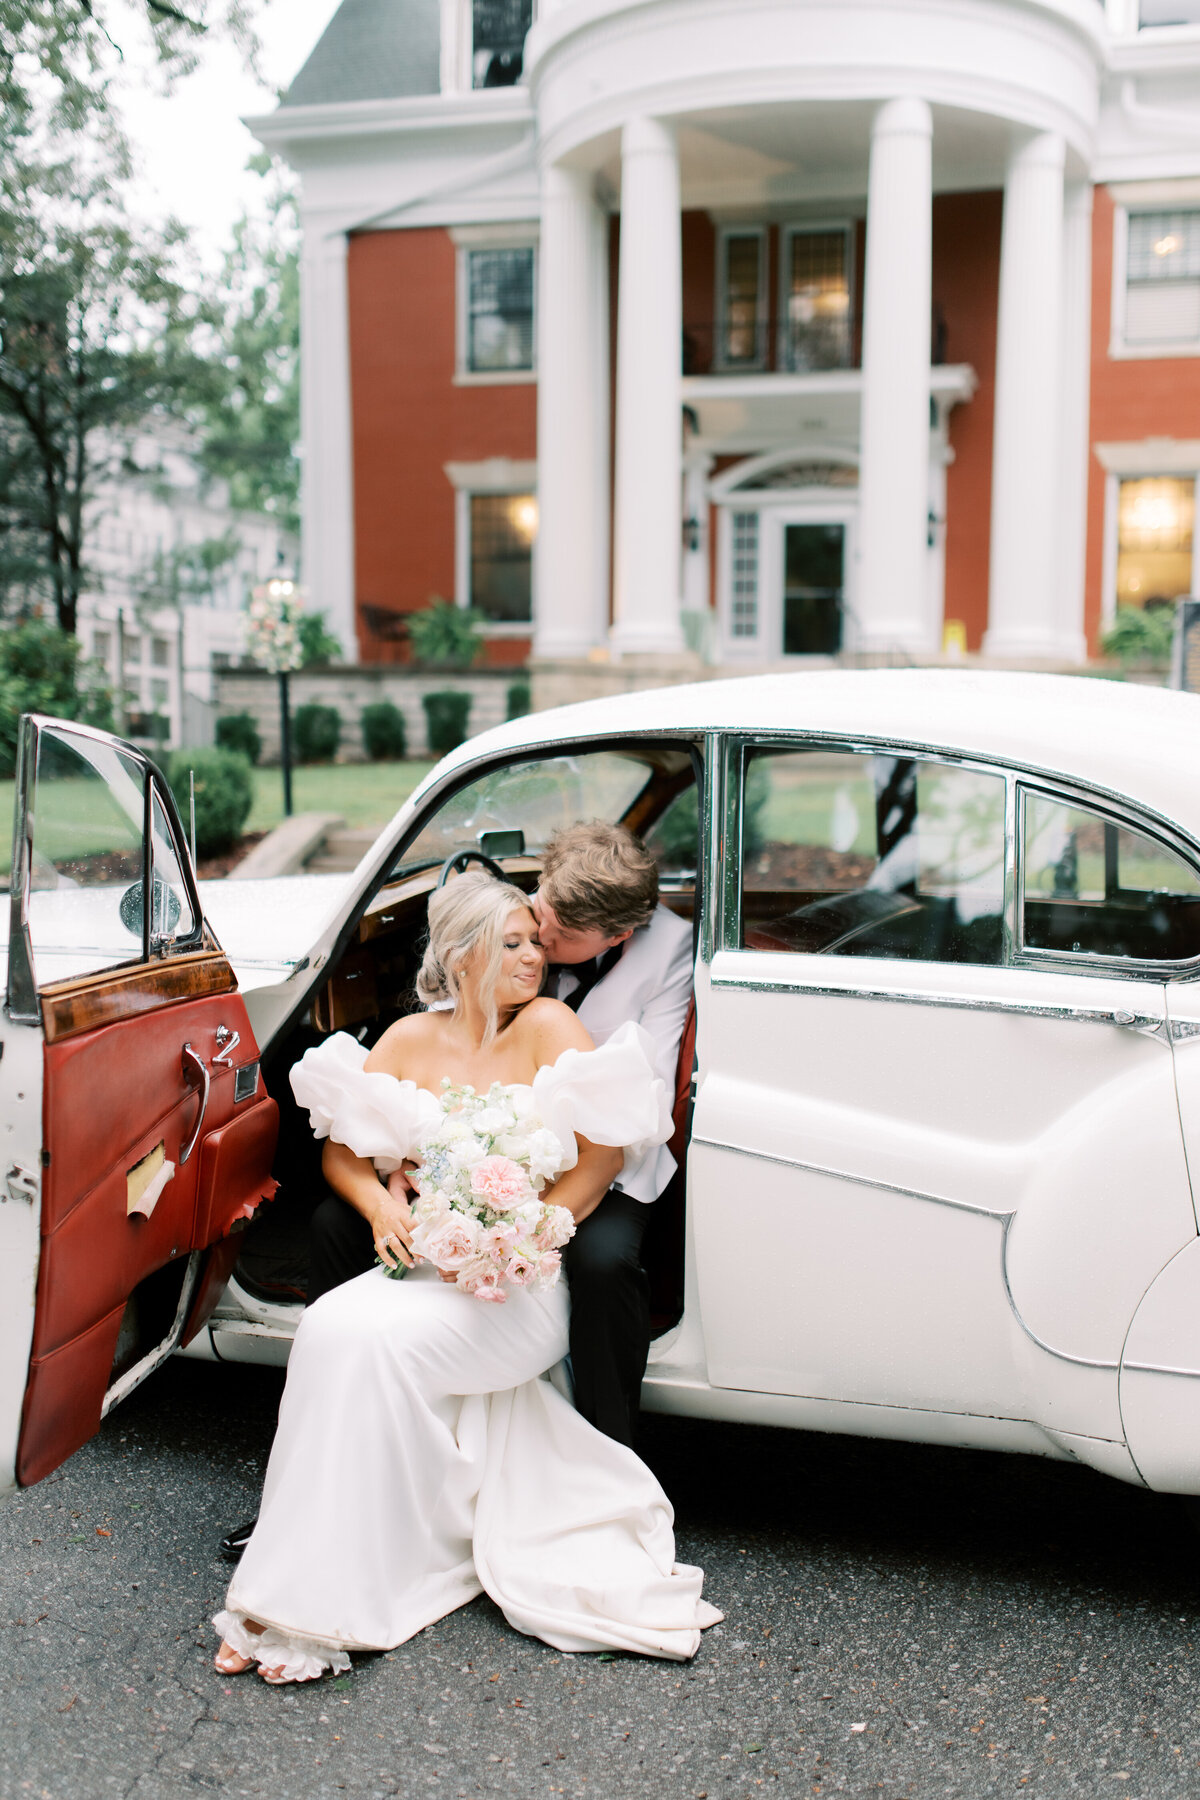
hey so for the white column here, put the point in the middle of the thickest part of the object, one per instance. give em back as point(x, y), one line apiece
point(327, 530)
point(892, 603)
point(1075, 449)
point(649, 426)
point(1026, 491)
point(571, 566)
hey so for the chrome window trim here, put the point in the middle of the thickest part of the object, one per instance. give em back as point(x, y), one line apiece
point(1146, 1023)
point(1132, 968)
point(1019, 780)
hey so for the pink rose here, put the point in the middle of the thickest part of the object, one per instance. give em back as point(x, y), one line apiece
point(500, 1182)
point(449, 1242)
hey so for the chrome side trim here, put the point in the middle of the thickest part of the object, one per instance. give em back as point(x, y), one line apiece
point(1145, 1023)
point(1158, 1369)
point(1082, 1362)
point(1003, 1219)
point(887, 1187)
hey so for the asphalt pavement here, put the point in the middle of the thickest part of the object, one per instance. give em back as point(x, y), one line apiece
point(899, 1621)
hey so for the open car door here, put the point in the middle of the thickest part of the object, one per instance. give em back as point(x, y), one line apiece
point(136, 1132)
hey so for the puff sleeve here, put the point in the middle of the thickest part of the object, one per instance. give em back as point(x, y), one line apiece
point(610, 1095)
point(374, 1114)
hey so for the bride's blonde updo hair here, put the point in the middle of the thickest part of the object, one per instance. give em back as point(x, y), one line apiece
point(469, 913)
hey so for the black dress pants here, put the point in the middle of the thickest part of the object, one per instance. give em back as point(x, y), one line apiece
point(610, 1298)
point(610, 1314)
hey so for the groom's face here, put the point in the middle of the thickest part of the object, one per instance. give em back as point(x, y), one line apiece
point(565, 946)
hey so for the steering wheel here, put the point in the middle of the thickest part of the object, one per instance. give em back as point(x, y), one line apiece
point(454, 865)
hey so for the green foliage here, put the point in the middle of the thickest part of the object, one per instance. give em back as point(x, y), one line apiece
point(1140, 634)
point(384, 736)
point(224, 795)
point(252, 421)
point(674, 840)
point(41, 670)
point(316, 730)
point(519, 697)
point(446, 715)
point(445, 633)
point(317, 642)
point(238, 731)
point(98, 315)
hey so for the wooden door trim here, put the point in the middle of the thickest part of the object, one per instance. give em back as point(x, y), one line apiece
point(72, 1007)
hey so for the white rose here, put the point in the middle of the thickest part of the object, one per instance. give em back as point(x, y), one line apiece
point(470, 1151)
point(492, 1120)
point(545, 1154)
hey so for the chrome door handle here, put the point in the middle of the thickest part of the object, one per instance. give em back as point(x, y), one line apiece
point(227, 1043)
point(190, 1059)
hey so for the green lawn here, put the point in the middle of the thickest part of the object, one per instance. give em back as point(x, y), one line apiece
point(363, 793)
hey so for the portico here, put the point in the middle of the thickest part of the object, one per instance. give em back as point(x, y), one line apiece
point(1006, 98)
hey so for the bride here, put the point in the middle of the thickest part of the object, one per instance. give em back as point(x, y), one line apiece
point(420, 1457)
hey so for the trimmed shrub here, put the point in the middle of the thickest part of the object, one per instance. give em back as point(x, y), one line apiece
point(446, 714)
point(238, 731)
point(41, 671)
point(519, 697)
point(316, 732)
point(224, 795)
point(383, 734)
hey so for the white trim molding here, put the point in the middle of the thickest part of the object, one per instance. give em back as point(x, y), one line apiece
point(498, 475)
point(468, 241)
point(1150, 456)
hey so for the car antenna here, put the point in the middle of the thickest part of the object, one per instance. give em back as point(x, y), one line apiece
point(192, 813)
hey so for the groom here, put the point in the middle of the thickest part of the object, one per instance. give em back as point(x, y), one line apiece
point(615, 954)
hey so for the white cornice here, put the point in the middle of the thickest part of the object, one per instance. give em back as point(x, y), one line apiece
point(482, 108)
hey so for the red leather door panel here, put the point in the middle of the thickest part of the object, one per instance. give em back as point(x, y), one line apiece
point(112, 1094)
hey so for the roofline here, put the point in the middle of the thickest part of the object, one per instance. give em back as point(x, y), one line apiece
point(404, 113)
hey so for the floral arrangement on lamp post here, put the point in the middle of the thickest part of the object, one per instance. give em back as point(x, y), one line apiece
point(273, 642)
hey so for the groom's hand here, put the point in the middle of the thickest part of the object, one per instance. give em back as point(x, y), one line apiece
point(391, 1227)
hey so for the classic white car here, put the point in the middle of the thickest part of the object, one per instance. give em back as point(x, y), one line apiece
point(940, 1155)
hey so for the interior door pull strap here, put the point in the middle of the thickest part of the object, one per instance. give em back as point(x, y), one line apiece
point(193, 1062)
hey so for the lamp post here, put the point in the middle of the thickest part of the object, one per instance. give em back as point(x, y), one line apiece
point(273, 640)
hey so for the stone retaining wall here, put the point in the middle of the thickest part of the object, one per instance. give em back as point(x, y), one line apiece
point(351, 688)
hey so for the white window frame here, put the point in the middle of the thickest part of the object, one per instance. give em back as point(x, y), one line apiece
point(1173, 458)
point(1143, 197)
point(811, 228)
point(763, 320)
point(521, 235)
point(499, 475)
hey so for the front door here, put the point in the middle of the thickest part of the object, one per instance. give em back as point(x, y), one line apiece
point(814, 582)
point(936, 1154)
point(138, 1133)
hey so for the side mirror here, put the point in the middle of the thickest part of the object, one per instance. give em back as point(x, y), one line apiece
point(165, 910)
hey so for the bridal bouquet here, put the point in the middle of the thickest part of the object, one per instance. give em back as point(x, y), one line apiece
point(479, 1212)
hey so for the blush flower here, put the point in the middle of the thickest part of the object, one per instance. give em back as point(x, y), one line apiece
point(449, 1241)
point(499, 1181)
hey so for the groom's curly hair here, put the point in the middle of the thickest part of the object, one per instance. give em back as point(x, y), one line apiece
point(598, 877)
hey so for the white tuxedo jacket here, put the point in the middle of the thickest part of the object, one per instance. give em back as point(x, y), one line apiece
point(651, 985)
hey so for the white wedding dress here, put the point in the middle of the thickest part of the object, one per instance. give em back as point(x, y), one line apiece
point(422, 1455)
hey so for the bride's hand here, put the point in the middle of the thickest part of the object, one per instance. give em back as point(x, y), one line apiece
point(391, 1227)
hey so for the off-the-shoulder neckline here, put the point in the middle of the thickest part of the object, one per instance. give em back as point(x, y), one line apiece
point(571, 1050)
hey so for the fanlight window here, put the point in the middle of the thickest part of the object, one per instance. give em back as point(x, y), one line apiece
point(801, 474)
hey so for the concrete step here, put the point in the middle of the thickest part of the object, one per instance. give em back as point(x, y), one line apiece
point(341, 850)
point(287, 849)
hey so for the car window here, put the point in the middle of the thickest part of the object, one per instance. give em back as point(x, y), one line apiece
point(851, 854)
point(534, 797)
point(674, 838)
point(1094, 887)
point(84, 905)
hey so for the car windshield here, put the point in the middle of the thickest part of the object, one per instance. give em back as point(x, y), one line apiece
point(533, 797)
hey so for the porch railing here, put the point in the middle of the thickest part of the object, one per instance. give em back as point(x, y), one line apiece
point(795, 347)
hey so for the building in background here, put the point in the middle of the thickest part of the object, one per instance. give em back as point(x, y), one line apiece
point(668, 332)
point(170, 563)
